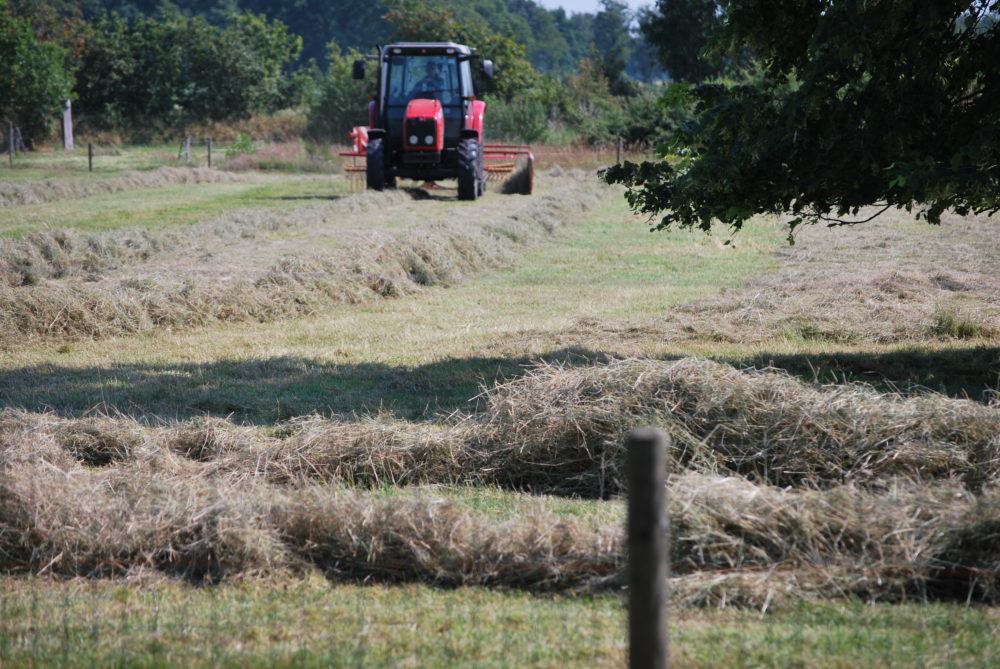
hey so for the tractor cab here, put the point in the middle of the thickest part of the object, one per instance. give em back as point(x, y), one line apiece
point(424, 101)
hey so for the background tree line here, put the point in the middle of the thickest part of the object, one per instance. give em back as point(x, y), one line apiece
point(149, 68)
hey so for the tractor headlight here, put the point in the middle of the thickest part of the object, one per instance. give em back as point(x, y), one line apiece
point(428, 140)
point(414, 140)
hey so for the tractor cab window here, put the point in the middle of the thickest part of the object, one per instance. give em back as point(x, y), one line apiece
point(432, 77)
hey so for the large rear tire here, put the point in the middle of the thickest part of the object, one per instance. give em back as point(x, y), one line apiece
point(375, 165)
point(469, 169)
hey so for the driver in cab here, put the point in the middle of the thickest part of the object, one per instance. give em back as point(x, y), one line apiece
point(433, 82)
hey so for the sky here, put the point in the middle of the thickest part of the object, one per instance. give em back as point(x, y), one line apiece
point(591, 6)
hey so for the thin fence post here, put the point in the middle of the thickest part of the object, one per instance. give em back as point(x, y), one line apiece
point(10, 143)
point(90, 157)
point(618, 150)
point(209, 151)
point(187, 149)
point(648, 549)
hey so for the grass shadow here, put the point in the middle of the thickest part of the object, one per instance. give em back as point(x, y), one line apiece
point(268, 390)
point(971, 371)
point(264, 391)
point(303, 197)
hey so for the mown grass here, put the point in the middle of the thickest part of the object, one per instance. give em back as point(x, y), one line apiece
point(108, 162)
point(165, 207)
point(312, 622)
point(503, 505)
point(588, 298)
point(412, 356)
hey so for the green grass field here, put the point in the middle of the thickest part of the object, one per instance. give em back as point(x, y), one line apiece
point(315, 623)
point(602, 287)
point(160, 208)
point(72, 165)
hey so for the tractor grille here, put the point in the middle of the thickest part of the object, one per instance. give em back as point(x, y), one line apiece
point(421, 157)
point(420, 129)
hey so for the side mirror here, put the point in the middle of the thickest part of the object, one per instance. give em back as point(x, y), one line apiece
point(487, 69)
point(358, 71)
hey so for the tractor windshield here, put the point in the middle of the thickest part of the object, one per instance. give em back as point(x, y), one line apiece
point(433, 77)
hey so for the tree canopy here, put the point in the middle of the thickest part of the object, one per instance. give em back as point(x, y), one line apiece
point(170, 67)
point(680, 31)
point(35, 75)
point(553, 40)
point(884, 103)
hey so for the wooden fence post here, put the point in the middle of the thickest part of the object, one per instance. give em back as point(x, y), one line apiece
point(618, 150)
point(648, 549)
point(209, 151)
point(10, 143)
point(90, 157)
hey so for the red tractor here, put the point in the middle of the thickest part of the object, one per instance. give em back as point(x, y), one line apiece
point(426, 123)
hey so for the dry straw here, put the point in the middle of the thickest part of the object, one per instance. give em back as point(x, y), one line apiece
point(560, 430)
point(730, 536)
point(67, 254)
point(563, 427)
point(888, 281)
point(879, 496)
point(366, 265)
point(14, 194)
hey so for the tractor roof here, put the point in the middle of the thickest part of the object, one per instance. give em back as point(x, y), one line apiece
point(428, 47)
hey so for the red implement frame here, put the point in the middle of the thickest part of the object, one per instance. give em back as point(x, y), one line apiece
point(501, 159)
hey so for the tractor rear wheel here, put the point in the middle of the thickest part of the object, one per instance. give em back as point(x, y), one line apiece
point(469, 169)
point(375, 165)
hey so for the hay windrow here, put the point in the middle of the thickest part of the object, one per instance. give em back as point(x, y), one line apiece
point(900, 498)
point(563, 427)
point(733, 541)
point(560, 430)
point(884, 282)
point(14, 194)
point(367, 265)
point(66, 254)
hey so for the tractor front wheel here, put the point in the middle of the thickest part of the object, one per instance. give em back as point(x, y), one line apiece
point(375, 165)
point(469, 169)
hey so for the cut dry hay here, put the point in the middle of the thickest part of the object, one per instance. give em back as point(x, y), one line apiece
point(14, 194)
point(887, 281)
point(876, 307)
point(370, 452)
point(881, 497)
point(561, 430)
point(367, 265)
point(164, 513)
point(733, 541)
point(521, 180)
point(66, 254)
